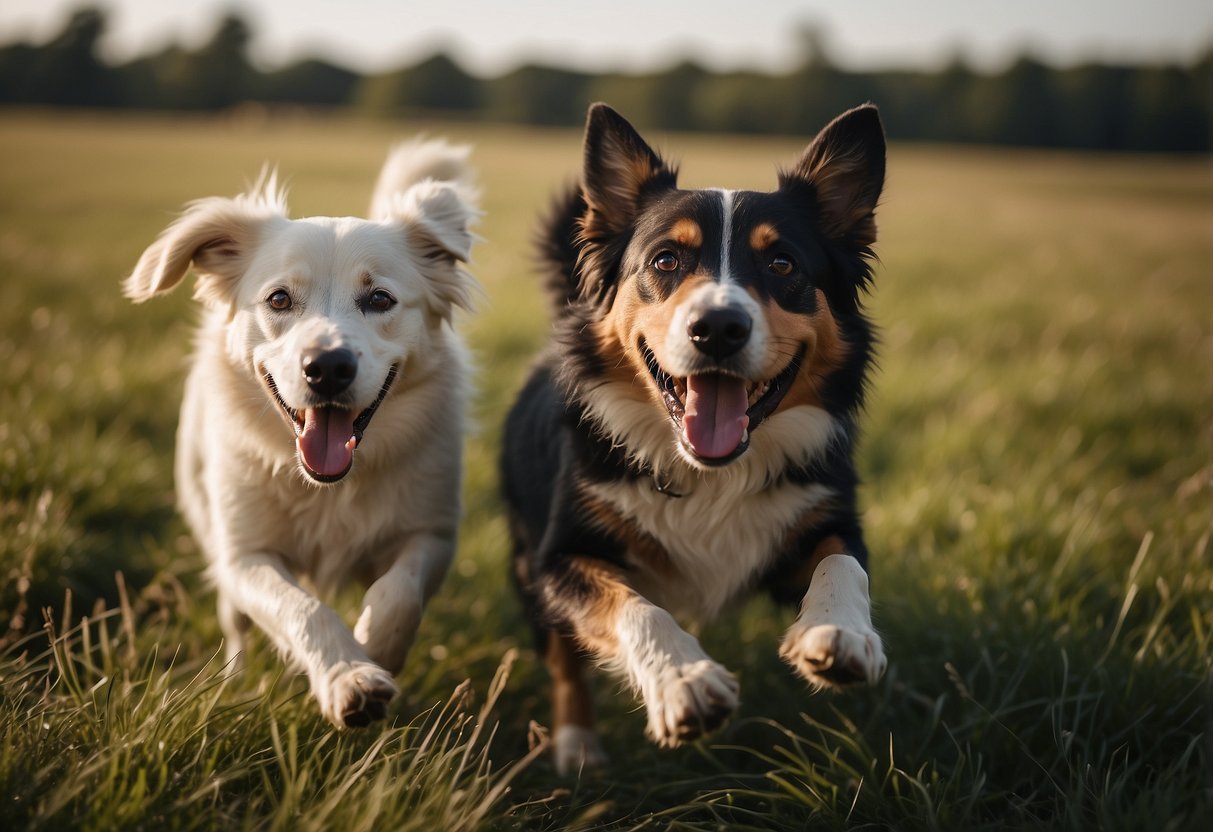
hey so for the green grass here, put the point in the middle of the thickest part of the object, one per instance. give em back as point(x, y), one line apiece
point(1038, 461)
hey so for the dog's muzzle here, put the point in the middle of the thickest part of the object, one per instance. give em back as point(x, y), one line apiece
point(326, 435)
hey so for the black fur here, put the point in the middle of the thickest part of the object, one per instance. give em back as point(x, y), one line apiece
point(599, 235)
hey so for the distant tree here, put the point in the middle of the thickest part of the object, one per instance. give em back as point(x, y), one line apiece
point(311, 82)
point(743, 102)
point(1021, 106)
point(1202, 81)
point(67, 71)
point(673, 93)
point(216, 76)
point(16, 68)
point(813, 46)
point(539, 95)
point(437, 83)
point(157, 81)
point(943, 117)
point(1170, 110)
point(663, 100)
point(804, 101)
point(219, 74)
point(1095, 107)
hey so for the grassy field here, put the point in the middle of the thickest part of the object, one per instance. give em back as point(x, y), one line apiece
point(1039, 503)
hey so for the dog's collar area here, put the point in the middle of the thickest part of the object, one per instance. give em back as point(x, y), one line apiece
point(303, 422)
point(764, 398)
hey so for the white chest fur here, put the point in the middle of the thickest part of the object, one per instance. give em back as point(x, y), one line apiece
point(719, 539)
point(728, 523)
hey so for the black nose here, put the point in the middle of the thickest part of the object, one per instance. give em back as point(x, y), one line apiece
point(720, 332)
point(328, 372)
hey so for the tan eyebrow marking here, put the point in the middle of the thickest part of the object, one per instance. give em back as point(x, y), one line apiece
point(763, 236)
point(686, 232)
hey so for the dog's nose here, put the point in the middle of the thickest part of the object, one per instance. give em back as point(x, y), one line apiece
point(328, 372)
point(720, 331)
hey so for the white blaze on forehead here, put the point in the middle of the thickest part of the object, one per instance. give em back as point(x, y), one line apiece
point(726, 234)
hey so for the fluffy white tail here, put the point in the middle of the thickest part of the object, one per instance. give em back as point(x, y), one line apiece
point(417, 160)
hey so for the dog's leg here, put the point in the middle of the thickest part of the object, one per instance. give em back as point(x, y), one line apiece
point(233, 624)
point(351, 689)
point(575, 743)
point(832, 642)
point(685, 692)
point(392, 606)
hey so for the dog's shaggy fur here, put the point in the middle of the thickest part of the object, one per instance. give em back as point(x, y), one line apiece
point(321, 431)
point(688, 436)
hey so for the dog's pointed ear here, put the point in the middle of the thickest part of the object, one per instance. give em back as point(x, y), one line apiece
point(845, 165)
point(218, 236)
point(437, 217)
point(619, 168)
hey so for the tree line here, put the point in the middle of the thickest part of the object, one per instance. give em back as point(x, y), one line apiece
point(1142, 107)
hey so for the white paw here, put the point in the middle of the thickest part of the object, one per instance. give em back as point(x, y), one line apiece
point(688, 700)
point(576, 750)
point(354, 694)
point(831, 656)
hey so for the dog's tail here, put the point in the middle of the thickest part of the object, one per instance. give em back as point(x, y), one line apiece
point(418, 160)
point(560, 252)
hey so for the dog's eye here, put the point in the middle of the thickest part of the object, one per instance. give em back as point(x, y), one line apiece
point(280, 300)
point(378, 301)
point(782, 266)
point(666, 261)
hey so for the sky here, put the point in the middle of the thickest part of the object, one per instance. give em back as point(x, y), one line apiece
point(492, 36)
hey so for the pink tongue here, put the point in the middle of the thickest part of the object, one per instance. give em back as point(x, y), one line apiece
point(325, 446)
point(715, 418)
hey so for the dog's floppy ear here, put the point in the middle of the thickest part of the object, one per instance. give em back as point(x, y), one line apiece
point(217, 235)
point(619, 168)
point(437, 217)
point(845, 165)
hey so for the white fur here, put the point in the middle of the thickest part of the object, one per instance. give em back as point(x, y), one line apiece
point(718, 536)
point(724, 525)
point(726, 236)
point(271, 535)
point(832, 641)
point(684, 691)
point(417, 160)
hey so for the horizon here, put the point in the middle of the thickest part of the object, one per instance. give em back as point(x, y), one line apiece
point(374, 36)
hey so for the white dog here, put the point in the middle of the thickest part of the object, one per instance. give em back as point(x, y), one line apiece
point(321, 430)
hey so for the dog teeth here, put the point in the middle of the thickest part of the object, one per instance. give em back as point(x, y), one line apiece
point(759, 391)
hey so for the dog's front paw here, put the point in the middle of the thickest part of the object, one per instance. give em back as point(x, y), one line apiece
point(355, 694)
point(577, 749)
point(689, 700)
point(831, 656)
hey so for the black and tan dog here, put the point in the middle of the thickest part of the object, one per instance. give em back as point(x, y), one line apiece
point(688, 436)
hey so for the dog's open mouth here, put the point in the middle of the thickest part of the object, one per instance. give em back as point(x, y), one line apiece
point(715, 413)
point(326, 435)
